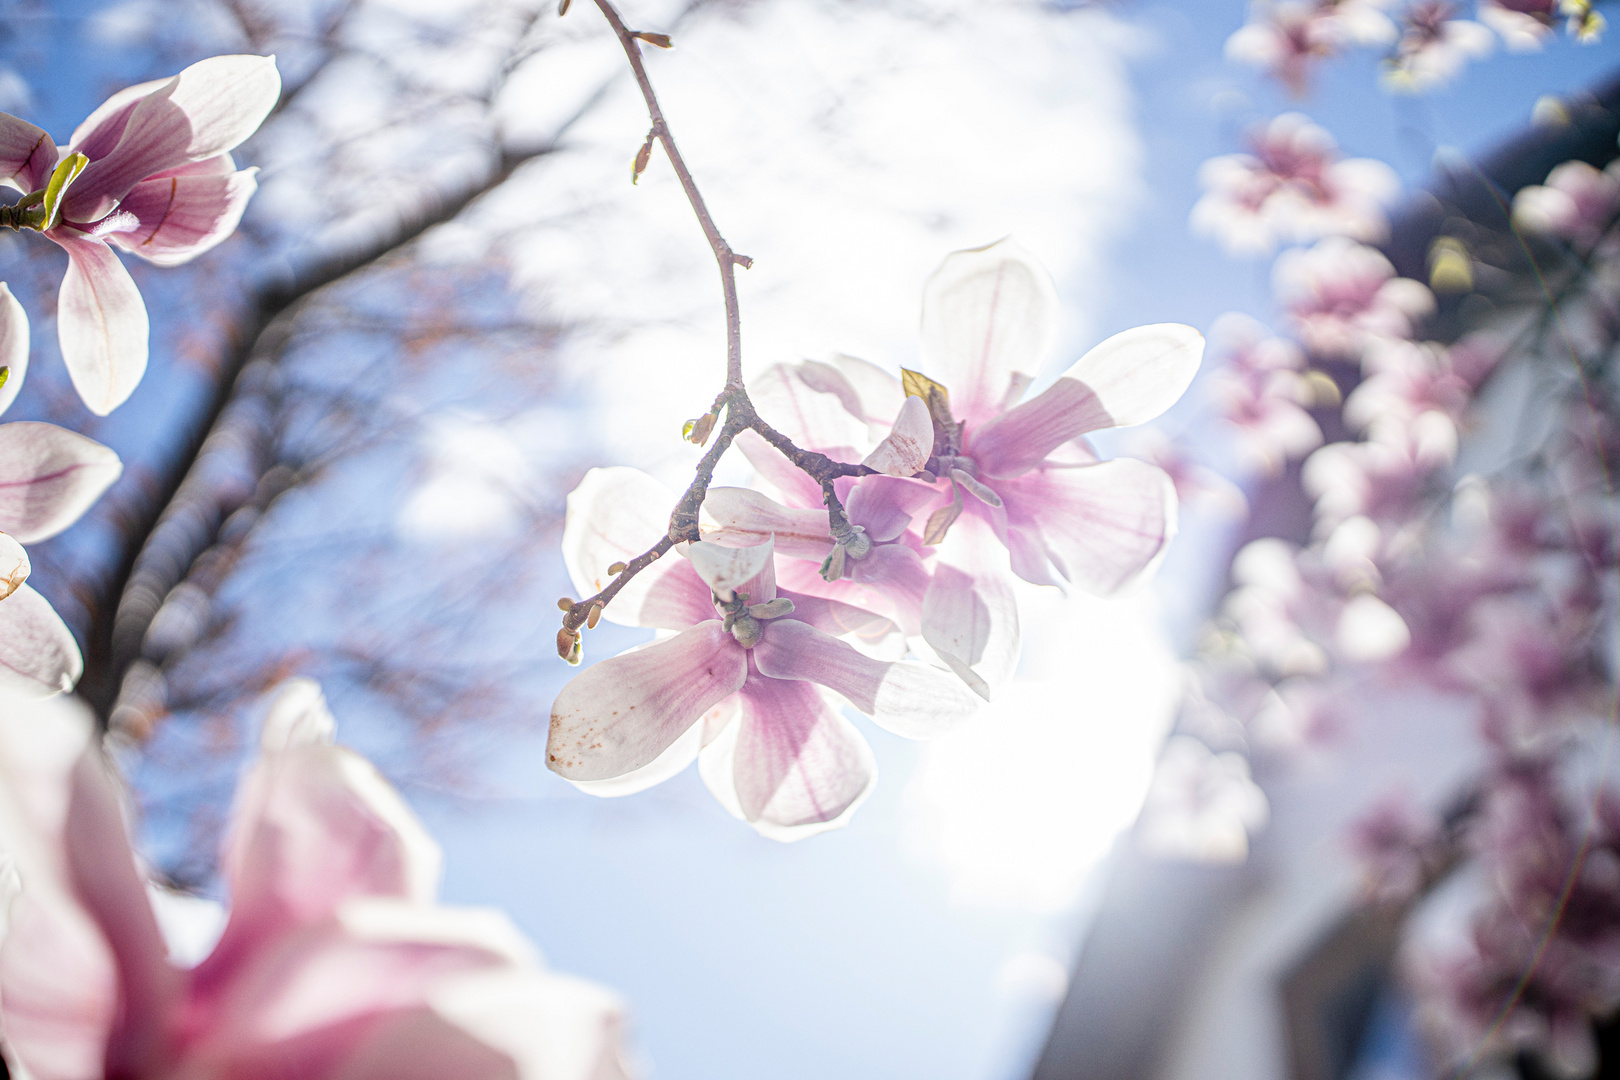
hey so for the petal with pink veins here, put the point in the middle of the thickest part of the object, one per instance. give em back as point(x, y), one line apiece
point(969, 613)
point(101, 323)
point(825, 611)
point(884, 506)
point(907, 448)
point(27, 154)
point(38, 655)
point(49, 476)
point(864, 389)
point(907, 698)
point(614, 515)
point(727, 569)
point(179, 217)
point(813, 419)
point(791, 766)
point(989, 317)
point(206, 110)
point(13, 345)
point(1103, 527)
point(742, 517)
point(621, 713)
point(1139, 373)
point(792, 485)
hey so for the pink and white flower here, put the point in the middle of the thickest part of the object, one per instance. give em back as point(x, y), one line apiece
point(1285, 38)
point(747, 677)
point(336, 959)
point(1340, 295)
point(1292, 188)
point(1433, 47)
point(1023, 467)
point(1261, 391)
point(1523, 25)
point(49, 476)
point(150, 172)
point(1578, 203)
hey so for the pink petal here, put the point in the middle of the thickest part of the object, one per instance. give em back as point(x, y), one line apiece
point(794, 487)
point(728, 570)
point(314, 826)
point(613, 516)
point(969, 614)
point(100, 131)
point(101, 322)
point(38, 655)
point(908, 447)
point(675, 758)
point(180, 217)
point(13, 345)
point(864, 389)
point(897, 572)
point(675, 598)
point(49, 476)
point(741, 517)
point(791, 765)
point(58, 979)
point(27, 154)
point(1139, 373)
point(1021, 438)
point(909, 699)
point(812, 419)
point(825, 611)
point(1103, 527)
point(621, 713)
point(550, 1025)
point(989, 316)
point(884, 506)
point(206, 110)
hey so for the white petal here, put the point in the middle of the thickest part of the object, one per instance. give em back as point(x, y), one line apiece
point(907, 448)
point(13, 346)
point(1139, 373)
point(38, 655)
point(726, 569)
point(49, 476)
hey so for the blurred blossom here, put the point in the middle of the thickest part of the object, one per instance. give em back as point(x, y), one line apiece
point(1260, 391)
point(1577, 203)
point(1341, 295)
point(1396, 843)
point(1293, 187)
point(1202, 807)
point(1285, 38)
point(1408, 383)
point(1433, 47)
point(336, 959)
point(1384, 477)
point(1198, 487)
point(1523, 25)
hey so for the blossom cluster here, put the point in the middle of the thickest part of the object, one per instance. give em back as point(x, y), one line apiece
point(1494, 589)
point(1426, 42)
point(887, 588)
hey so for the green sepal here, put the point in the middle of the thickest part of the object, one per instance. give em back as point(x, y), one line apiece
point(67, 170)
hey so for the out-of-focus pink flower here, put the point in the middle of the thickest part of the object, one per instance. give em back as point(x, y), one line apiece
point(1523, 25)
point(1396, 842)
point(336, 960)
point(1577, 203)
point(49, 476)
point(1285, 38)
point(1384, 476)
point(1292, 188)
point(1202, 807)
point(1411, 383)
point(745, 679)
point(1260, 391)
point(1340, 295)
point(149, 171)
point(1433, 47)
point(1197, 485)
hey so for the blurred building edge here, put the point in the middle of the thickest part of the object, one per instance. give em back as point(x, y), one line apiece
point(1186, 963)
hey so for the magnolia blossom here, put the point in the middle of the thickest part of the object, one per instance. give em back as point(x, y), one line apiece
point(1523, 25)
point(1292, 188)
point(1261, 392)
point(1285, 38)
point(1410, 383)
point(753, 678)
point(1384, 476)
point(1577, 203)
point(1433, 47)
point(49, 476)
point(150, 172)
point(336, 960)
point(1202, 807)
point(1340, 295)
